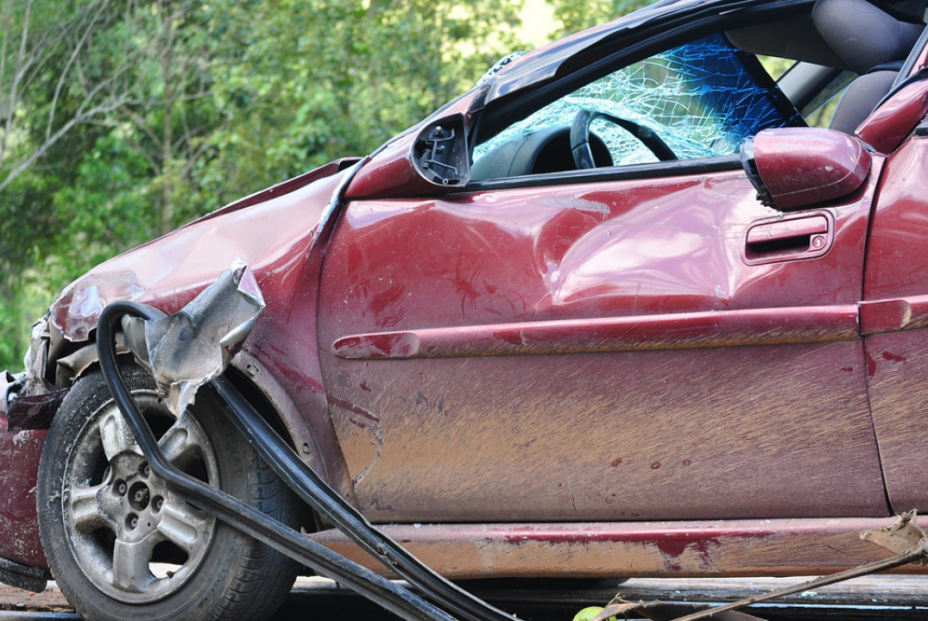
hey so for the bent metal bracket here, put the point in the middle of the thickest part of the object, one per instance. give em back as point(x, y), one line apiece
point(192, 348)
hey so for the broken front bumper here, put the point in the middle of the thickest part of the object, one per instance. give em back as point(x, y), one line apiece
point(22, 561)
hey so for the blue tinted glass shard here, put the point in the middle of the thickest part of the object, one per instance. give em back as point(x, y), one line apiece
point(702, 99)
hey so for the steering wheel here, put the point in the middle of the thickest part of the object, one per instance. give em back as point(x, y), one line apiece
point(580, 138)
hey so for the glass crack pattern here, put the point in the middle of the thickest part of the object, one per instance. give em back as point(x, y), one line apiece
point(701, 98)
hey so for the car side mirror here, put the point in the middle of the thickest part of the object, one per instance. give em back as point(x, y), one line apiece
point(430, 159)
point(440, 153)
point(797, 167)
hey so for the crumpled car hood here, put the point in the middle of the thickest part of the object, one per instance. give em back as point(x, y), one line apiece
point(272, 231)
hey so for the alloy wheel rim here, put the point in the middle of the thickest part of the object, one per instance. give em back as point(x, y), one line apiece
point(131, 536)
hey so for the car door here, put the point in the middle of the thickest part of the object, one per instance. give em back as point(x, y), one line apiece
point(637, 341)
point(894, 314)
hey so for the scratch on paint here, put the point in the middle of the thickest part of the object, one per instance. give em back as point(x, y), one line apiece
point(577, 204)
point(674, 552)
point(371, 423)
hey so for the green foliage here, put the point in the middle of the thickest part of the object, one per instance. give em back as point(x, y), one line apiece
point(575, 15)
point(134, 116)
point(195, 103)
point(355, 76)
point(776, 67)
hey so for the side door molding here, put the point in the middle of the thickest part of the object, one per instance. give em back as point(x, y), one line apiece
point(729, 328)
point(893, 315)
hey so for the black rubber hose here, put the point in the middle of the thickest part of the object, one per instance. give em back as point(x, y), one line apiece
point(331, 506)
point(236, 513)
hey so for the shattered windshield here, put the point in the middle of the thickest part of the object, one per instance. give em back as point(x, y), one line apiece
point(702, 99)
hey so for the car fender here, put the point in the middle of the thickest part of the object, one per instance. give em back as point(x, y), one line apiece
point(282, 234)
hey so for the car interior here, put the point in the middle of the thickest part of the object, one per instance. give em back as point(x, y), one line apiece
point(843, 59)
point(832, 40)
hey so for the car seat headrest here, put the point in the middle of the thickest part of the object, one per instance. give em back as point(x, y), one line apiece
point(862, 34)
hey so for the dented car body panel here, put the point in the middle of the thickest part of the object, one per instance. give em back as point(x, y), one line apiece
point(544, 335)
point(274, 238)
point(19, 464)
point(189, 260)
point(20, 451)
point(639, 370)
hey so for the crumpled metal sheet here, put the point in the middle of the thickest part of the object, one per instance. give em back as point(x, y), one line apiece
point(35, 361)
point(7, 381)
point(77, 310)
point(34, 412)
point(188, 349)
point(27, 400)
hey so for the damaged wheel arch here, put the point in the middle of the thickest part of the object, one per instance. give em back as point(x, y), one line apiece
point(256, 383)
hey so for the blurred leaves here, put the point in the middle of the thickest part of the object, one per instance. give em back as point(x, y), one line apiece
point(131, 117)
point(575, 15)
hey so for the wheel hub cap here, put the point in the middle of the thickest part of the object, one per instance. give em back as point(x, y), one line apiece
point(132, 536)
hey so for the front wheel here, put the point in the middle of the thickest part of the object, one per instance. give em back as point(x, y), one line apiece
point(122, 545)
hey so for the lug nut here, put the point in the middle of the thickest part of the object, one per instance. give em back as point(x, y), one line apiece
point(134, 522)
point(159, 502)
point(146, 470)
point(121, 488)
point(139, 496)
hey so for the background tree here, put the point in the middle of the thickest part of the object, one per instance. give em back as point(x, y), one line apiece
point(121, 119)
point(54, 85)
point(575, 15)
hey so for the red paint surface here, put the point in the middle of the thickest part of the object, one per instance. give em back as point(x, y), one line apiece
point(284, 187)
point(889, 125)
point(781, 429)
point(274, 238)
point(730, 328)
point(894, 316)
point(764, 426)
point(19, 464)
point(897, 261)
point(391, 173)
point(829, 165)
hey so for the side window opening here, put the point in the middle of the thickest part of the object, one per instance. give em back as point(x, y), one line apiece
point(776, 67)
point(820, 111)
point(818, 106)
point(702, 99)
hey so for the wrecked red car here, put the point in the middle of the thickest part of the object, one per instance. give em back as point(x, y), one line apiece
point(629, 307)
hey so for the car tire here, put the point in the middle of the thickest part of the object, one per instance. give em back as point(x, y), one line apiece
point(122, 546)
